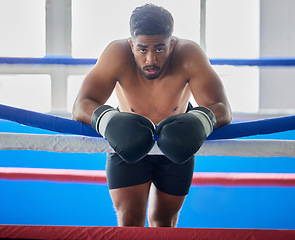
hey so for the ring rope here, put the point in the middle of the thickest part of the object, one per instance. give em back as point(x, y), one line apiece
point(63, 125)
point(83, 144)
point(46, 122)
point(261, 62)
point(135, 233)
point(199, 178)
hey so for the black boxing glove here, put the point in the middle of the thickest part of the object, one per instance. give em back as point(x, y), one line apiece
point(180, 136)
point(130, 135)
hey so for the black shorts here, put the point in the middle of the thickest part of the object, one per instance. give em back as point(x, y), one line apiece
point(168, 177)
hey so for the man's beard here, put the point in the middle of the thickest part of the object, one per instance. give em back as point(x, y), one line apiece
point(158, 70)
point(151, 71)
point(144, 71)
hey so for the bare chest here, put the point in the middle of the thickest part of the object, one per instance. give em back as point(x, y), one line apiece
point(156, 100)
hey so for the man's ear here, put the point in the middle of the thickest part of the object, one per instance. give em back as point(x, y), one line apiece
point(172, 44)
point(131, 44)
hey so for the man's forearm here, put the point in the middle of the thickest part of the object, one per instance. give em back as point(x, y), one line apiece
point(222, 113)
point(83, 109)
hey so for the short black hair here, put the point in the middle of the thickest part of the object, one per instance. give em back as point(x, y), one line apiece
point(150, 19)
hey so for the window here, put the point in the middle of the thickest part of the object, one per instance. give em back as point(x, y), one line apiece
point(233, 32)
point(22, 27)
point(97, 23)
point(232, 28)
point(32, 92)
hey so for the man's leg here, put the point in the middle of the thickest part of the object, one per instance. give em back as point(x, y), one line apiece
point(129, 186)
point(131, 204)
point(163, 208)
point(171, 183)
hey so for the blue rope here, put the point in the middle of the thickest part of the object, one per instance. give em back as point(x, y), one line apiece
point(262, 62)
point(252, 128)
point(48, 60)
point(69, 126)
point(45, 121)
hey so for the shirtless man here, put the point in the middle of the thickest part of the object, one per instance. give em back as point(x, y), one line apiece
point(153, 74)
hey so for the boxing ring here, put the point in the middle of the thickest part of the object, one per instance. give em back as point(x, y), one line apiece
point(65, 136)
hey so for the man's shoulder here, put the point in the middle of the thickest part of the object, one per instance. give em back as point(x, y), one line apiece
point(187, 53)
point(119, 42)
point(117, 51)
point(185, 45)
point(119, 45)
point(188, 56)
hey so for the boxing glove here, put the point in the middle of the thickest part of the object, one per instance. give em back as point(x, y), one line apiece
point(130, 135)
point(180, 136)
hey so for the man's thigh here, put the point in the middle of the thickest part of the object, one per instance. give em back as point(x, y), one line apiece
point(121, 174)
point(171, 178)
point(131, 204)
point(164, 208)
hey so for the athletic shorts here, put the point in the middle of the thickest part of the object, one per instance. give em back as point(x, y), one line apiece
point(167, 176)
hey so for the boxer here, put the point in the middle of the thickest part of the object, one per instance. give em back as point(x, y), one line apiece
point(153, 74)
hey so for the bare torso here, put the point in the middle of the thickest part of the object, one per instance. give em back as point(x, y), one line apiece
point(186, 72)
point(156, 99)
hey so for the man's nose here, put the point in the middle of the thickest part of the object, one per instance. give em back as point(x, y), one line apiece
point(151, 59)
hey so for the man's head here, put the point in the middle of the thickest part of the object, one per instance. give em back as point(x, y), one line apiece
point(151, 20)
point(151, 41)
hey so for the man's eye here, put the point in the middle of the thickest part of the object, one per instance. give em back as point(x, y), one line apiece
point(159, 50)
point(142, 50)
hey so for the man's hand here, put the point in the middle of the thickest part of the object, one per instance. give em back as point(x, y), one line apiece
point(130, 135)
point(181, 135)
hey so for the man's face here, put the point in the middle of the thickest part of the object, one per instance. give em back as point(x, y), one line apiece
point(151, 53)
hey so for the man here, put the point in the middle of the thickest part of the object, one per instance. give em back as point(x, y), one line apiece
point(153, 74)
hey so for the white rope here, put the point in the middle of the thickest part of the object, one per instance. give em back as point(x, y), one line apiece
point(82, 144)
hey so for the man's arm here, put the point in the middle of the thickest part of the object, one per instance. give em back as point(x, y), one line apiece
point(130, 135)
point(198, 123)
point(206, 86)
point(98, 84)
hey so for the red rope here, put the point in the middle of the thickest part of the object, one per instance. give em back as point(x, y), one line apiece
point(135, 233)
point(58, 175)
point(99, 176)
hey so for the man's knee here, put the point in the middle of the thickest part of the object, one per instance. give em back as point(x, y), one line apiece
point(130, 204)
point(162, 219)
point(131, 218)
